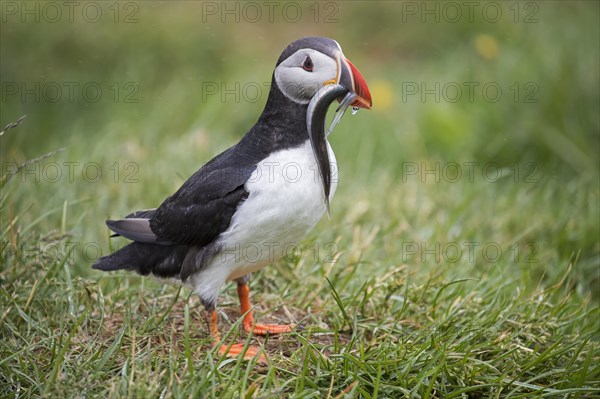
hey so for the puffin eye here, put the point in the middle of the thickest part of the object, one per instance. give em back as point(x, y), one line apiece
point(308, 65)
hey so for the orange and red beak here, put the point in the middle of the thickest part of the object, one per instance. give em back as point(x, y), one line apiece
point(353, 80)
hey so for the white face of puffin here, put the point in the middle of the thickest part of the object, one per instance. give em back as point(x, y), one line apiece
point(303, 73)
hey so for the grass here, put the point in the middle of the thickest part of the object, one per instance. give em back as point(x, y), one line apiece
point(375, 325)
point(421, 285)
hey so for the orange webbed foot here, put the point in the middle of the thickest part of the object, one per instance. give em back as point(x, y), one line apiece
point(237, 349)
point(248, 321)
point(266, 329)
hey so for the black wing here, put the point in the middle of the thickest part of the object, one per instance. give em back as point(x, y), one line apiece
point(203, 207)
point(199, 211)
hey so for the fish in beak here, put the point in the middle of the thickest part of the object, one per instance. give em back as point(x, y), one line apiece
point(350, 89)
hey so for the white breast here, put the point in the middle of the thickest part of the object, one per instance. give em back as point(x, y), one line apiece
point(285, 201)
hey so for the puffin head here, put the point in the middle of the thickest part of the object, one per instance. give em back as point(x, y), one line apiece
point(311, 73)
point(310, 63)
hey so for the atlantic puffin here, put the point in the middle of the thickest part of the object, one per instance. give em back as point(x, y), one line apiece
point(243, 209)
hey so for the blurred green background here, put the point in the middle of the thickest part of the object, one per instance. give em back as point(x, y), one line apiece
point(143, 112)
point(138, 95)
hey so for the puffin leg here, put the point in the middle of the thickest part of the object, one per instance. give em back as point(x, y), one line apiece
point(248, 321)
point(232, 350)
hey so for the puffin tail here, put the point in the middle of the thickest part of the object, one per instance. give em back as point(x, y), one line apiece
point(143, 258)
